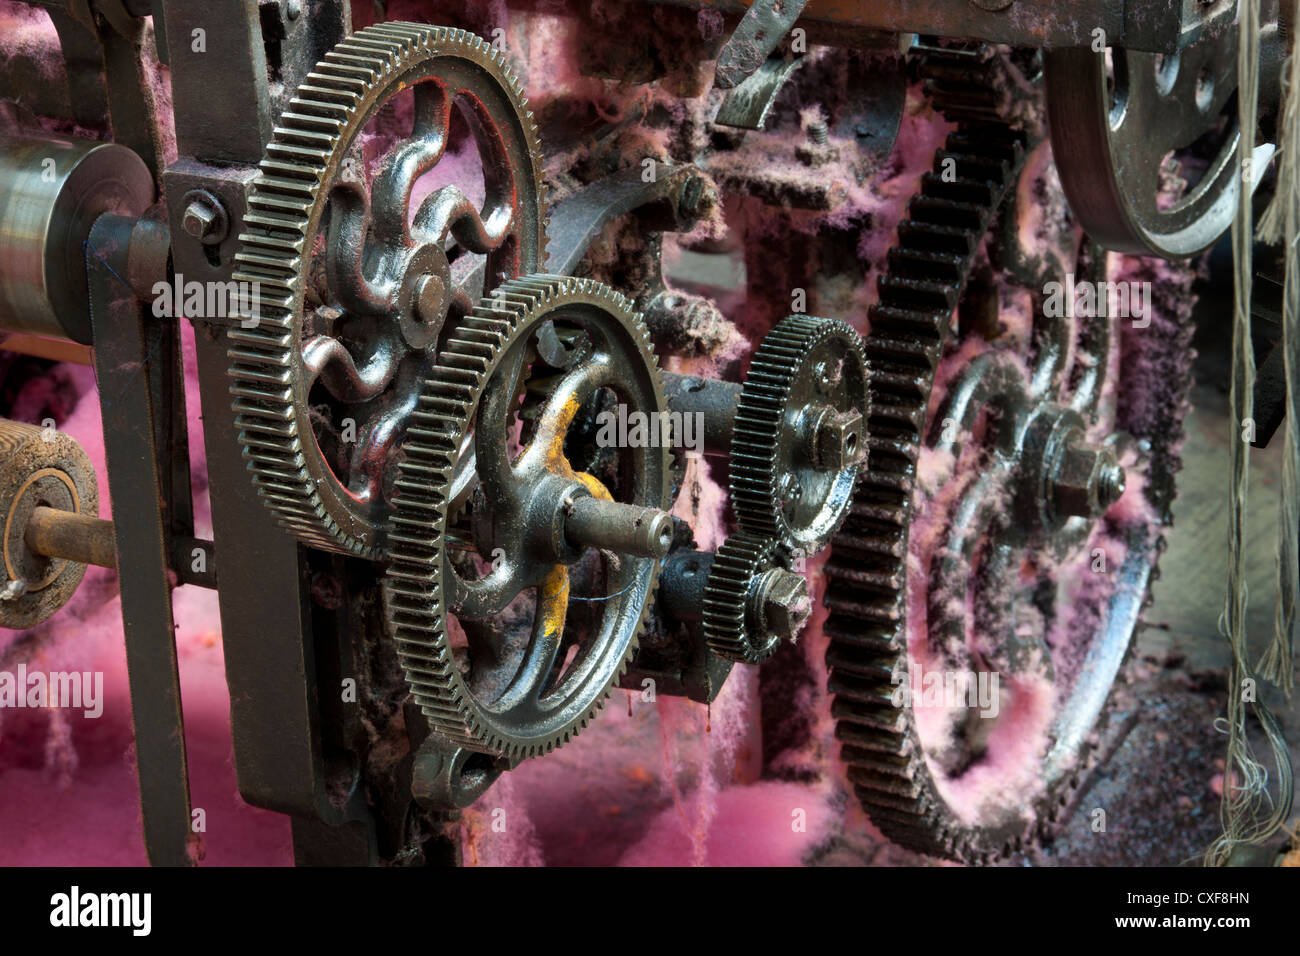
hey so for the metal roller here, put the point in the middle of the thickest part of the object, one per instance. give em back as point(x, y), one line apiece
point(51, 192)
point(49, 500)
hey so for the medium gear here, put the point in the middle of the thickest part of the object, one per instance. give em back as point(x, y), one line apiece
point(798, 445)
point(745, 620)
point(479, 679)
point(351, 290)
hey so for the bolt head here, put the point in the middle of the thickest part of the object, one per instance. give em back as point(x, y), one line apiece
point(785, 602)
point(839, 443)
point(199, 218)
point(1087, 480)
point(204, 218)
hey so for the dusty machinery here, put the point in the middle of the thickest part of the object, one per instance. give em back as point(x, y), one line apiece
point(437, 296)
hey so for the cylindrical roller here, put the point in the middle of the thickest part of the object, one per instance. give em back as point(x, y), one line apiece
point(51, 192)
point(39, 468)
point(623, 529)
point(715, 401)
point(80, 538)
point(682, 584)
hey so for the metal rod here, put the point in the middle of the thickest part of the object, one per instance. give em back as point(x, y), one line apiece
point(623, 529)
point(715, 400)
point(63, 534)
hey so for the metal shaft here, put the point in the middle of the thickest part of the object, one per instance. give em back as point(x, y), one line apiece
point(62, 534)
point(623, 529)
point(713, 400)
point(682, 583)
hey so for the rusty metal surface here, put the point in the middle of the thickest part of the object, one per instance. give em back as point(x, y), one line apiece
point(758, 34)
point(80, 538)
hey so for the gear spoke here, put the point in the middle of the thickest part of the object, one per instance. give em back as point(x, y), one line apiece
point(450, 212)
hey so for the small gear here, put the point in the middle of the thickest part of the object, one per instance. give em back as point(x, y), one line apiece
point(752, 600)
point(489, 676)
point(352, 291)
point(799, 440)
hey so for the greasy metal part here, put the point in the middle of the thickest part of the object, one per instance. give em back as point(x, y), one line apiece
point(1113, 129)
point(451, 778)
point(80, 538)
point(758, 34)
point(373, 258)
point(622, 529)
point(51, 192)
point(874, 112)
point(746, 105)
point(38, 468)
point(751, 602)
point(671, 202)
point(795, 451)
point(716, 401)
point(1156, 26)
point(682, 584)
point(679, 662)
point(507, 693)
point(192, 259)
point(124, 333)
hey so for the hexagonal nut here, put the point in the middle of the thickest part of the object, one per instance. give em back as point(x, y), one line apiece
point(839, 443)
point(199, 219)
point(1087, 480)
point(786, 604)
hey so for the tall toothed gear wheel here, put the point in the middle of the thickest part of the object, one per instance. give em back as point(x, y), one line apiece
point(361, 242)
point(752, 600)
point(1006, 532)
point(798, 443)
point(512, 633)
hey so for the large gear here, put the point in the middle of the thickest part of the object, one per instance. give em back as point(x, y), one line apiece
point(352, 290)
point(491, 687)
point(797, 447)
point(879, 576)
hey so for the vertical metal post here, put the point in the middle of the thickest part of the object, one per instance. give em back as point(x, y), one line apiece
point(127, 344)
